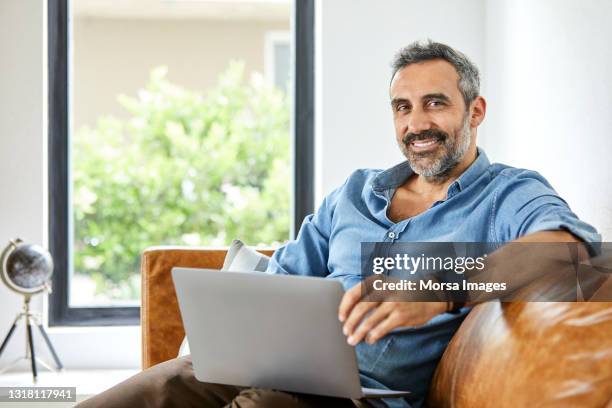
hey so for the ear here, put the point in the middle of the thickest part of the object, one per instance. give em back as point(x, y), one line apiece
point(478, 109)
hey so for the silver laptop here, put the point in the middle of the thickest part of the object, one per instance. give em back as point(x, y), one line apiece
point(269, 331)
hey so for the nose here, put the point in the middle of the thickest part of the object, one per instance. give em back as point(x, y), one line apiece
point(418, 121)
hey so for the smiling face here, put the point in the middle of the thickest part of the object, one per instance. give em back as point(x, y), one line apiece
point(433, 127)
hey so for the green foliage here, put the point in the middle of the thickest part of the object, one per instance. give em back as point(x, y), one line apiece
point(184, 169)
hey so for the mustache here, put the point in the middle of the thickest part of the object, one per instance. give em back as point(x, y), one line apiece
point(436, 134)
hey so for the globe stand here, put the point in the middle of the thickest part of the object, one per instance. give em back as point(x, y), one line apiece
point(30, 318)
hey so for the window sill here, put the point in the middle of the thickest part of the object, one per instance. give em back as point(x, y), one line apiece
point(88, 382)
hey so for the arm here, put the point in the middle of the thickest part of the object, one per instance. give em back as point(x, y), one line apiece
point(388, 315)
point(519, 264)
point(527, 210)
point(309, 252)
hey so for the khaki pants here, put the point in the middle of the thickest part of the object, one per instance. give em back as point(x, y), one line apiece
point(172, 384)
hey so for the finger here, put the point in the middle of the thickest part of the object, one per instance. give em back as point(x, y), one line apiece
point(356, 316)
point(370, 321)
point(383, 328)
point(349, 300)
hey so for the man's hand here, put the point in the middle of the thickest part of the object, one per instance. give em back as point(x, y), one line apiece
point(374, 320)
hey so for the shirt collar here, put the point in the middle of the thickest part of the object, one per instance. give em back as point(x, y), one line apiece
point(398, 174)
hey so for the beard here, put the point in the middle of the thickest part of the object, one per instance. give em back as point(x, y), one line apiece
point(437, 163)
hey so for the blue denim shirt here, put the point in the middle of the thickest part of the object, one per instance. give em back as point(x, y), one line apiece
point(487, 203)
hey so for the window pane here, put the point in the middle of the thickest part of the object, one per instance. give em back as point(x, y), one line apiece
point(281, 65)
point(177, 137)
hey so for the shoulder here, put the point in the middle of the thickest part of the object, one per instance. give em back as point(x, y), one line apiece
point(355, 185)
point(513, 177)
point(363, 177)
point(516, 174)
point(358, 179)
point(517, 186)
point(360, 182)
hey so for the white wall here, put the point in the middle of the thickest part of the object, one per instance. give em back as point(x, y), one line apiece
point(22, 155)
point(356, 42)
point(550, 97)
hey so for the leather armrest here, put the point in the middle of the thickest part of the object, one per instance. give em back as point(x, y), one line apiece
point(162, 326)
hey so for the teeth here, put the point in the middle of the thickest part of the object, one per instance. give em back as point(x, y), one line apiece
point(422, 143)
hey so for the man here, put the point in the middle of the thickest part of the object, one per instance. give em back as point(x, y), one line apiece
point(446, 191)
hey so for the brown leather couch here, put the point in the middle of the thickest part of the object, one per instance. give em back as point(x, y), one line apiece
point(504, 355)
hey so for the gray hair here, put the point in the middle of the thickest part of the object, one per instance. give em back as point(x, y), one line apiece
point(469, 78)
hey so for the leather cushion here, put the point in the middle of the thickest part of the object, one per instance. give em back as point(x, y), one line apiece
point(526, 354)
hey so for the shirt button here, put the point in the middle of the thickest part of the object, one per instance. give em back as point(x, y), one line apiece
point(391, 235)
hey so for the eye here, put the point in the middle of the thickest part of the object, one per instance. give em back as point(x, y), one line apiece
point(402, 107)
point(435, 103)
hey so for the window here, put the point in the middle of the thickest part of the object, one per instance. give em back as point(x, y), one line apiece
point(159, 133)
point(277, 63)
